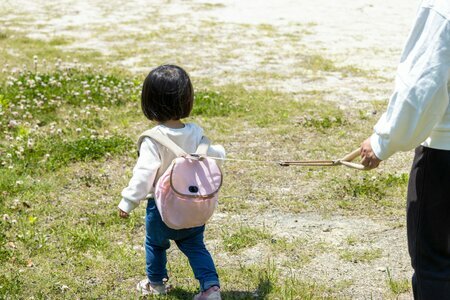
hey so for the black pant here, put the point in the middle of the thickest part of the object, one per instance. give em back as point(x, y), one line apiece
point(428, 223)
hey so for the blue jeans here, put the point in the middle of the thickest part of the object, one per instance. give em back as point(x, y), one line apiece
point(189, 241)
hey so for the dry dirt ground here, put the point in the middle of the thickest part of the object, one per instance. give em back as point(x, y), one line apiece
point(232, 41)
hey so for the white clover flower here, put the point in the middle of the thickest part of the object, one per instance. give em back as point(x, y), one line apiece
point(78, 130)
point(13, 123)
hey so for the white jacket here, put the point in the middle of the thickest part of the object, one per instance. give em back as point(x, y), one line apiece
point(418, 110)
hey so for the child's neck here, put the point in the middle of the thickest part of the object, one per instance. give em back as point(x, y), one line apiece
point(173, 124)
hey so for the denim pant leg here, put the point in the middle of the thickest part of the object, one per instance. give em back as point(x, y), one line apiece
point(199, 258)
point(156, 244)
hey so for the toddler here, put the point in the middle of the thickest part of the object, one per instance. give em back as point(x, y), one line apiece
point(167, 97)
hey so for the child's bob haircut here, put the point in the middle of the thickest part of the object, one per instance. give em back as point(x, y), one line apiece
point(167, 94)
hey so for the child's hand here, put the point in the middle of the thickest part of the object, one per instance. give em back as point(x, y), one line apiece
point(123, 214)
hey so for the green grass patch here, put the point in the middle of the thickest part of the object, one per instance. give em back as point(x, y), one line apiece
point(213, 104)
point(318, 63)
point(365, 191)
point(87, 238)
point(245, 237)
point(10, 285)
point(51, 154)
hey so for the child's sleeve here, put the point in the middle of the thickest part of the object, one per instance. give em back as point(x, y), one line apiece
point(144, 174)
point(217, 151)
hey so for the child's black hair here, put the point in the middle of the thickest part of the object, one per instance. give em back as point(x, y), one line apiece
point(167, 94)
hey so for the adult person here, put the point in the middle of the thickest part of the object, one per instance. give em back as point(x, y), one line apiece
point(418, 115)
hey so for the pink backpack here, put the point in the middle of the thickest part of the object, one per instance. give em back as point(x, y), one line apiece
point(186, 194)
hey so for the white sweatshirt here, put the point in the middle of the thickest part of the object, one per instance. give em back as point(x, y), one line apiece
point(154, 159)
point(418, 110)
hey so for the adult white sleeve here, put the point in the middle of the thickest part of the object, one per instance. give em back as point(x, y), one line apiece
point(420, 98)
point(144, 174)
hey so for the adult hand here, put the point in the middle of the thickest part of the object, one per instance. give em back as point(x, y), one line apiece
point(369, 159)
point(123, 214)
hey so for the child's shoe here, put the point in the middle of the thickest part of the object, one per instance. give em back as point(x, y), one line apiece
point(146, 288)
point(213, 293)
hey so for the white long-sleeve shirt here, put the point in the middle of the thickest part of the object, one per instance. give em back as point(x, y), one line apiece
point(154, 159)
point(418, 110)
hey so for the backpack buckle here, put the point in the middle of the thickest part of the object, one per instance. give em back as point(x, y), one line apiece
point(195, 156)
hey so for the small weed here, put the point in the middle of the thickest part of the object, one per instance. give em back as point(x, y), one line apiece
point(209, 6)
point(351, 240)
point(321, 123)
point(397, 286)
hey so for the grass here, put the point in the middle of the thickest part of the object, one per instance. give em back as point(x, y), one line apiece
point(58, 160)
point(57, 226)
point(397, 286)
point(245, 237)
point(360, 256)
point(68, 122)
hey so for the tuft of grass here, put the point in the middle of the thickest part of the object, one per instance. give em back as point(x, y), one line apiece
point(245, 237)
point(60, 41)
point(318, 63)
point(5, 250)
point(322, 123)
point(87, 238)
point(10, 285)
point(397, 286)
point(364, 256)
point(372, 187)
point(213, 104)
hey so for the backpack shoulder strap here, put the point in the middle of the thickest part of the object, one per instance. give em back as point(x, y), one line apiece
point(163, 140)
point(203, 147)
